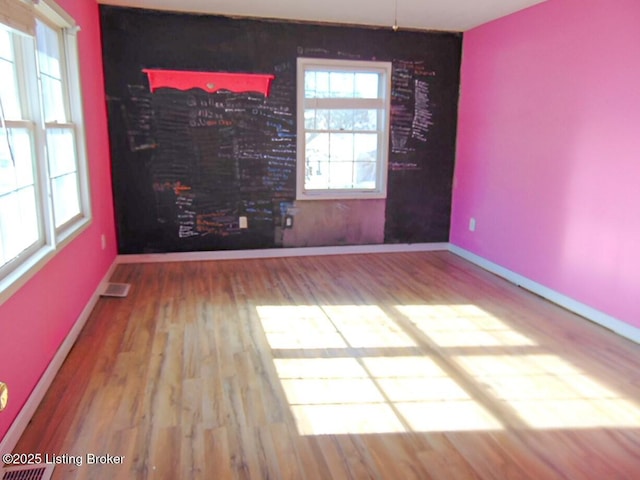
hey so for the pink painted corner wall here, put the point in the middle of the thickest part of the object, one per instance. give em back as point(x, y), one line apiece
point(548, 158)
point(36, 319)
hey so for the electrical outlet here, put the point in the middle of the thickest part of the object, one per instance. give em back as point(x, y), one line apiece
point(242, 222)
point(288, 221)
point(472, 224)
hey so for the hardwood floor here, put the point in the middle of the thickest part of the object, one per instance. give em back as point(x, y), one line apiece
point(395, 366)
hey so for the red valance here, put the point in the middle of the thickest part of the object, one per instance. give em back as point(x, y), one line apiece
point(209, 81)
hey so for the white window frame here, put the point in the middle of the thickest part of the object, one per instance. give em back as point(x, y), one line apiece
point(51, 239)
point(382, 104)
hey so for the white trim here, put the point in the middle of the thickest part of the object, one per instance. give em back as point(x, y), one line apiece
point(51, 239)
point(18, 426)
point(381, 103)
point(280, 252)
point(55, 13)
point(14, 280)
point(617, 326)
point(18, 15)
point(344, 103)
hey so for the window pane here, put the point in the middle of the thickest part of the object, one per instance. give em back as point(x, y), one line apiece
point(340, 175)
point(365, 120)
point(310, 84)
point(61, 150)
point(17, 171)
point(9, 92)
point(341, 120)
point(66, 202)
point(341, 146)
point(48, 42)
point(310, 119)
point(53, 100)
point(365, 175)
point(7, 172)
point(322, 119)
point(317, 175)
point(49, 58)
point(6, 50)
point(365, 147)
point(316, 119)
point(341, 84)
point(316, 84)
point(366, 85)
point(8, 85)
point(317, 147)
point(18, 223)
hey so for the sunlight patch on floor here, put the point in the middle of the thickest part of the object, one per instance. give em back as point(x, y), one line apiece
point(377, 395)
point(367, 326)
point(353, 369)
point(299, 327)
point(462, 326)
point(344, 419)
point(549, 392)
point(426, 397)
point(313, 326)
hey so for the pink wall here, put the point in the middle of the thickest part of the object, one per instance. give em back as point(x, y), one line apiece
point(37, 318)
point(548, 158)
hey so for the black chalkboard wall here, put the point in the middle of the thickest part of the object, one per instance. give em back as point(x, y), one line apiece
point(187, 164)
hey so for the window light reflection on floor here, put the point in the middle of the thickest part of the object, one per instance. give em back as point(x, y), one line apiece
point(355, 392)
point(298, 327)
point(334, 396)
point(548, 392)
point(367, 395)
point(462, 326)
point(313, 326)
point(353, 369)
point(367, 326)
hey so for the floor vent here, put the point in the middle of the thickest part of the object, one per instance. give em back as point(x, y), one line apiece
point(116, 290)
point(27, 472)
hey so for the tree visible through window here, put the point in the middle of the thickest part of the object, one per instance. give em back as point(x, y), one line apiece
point(343, 122)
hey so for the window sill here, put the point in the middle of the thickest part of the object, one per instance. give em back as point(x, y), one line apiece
point(30, 267)
point(341, 195)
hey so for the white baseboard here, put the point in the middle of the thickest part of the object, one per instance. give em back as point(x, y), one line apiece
point(18, 426)
point(281, 252)
point(618, 326)
point(26, 413)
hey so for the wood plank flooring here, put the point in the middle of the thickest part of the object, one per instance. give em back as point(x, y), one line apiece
point(394, 366)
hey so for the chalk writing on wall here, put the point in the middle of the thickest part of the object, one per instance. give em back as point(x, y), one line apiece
point(221, 155)
point(137, 117)
point(187, 163)
point(411, 115)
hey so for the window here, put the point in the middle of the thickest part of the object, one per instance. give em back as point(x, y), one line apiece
point(343, 128)
point(43, 183)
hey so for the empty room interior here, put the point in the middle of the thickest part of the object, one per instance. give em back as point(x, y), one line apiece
point(320, 240)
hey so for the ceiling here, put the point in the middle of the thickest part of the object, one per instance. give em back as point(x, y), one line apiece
point(444, 15)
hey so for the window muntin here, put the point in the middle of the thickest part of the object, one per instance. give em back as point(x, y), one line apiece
point(343, 111)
